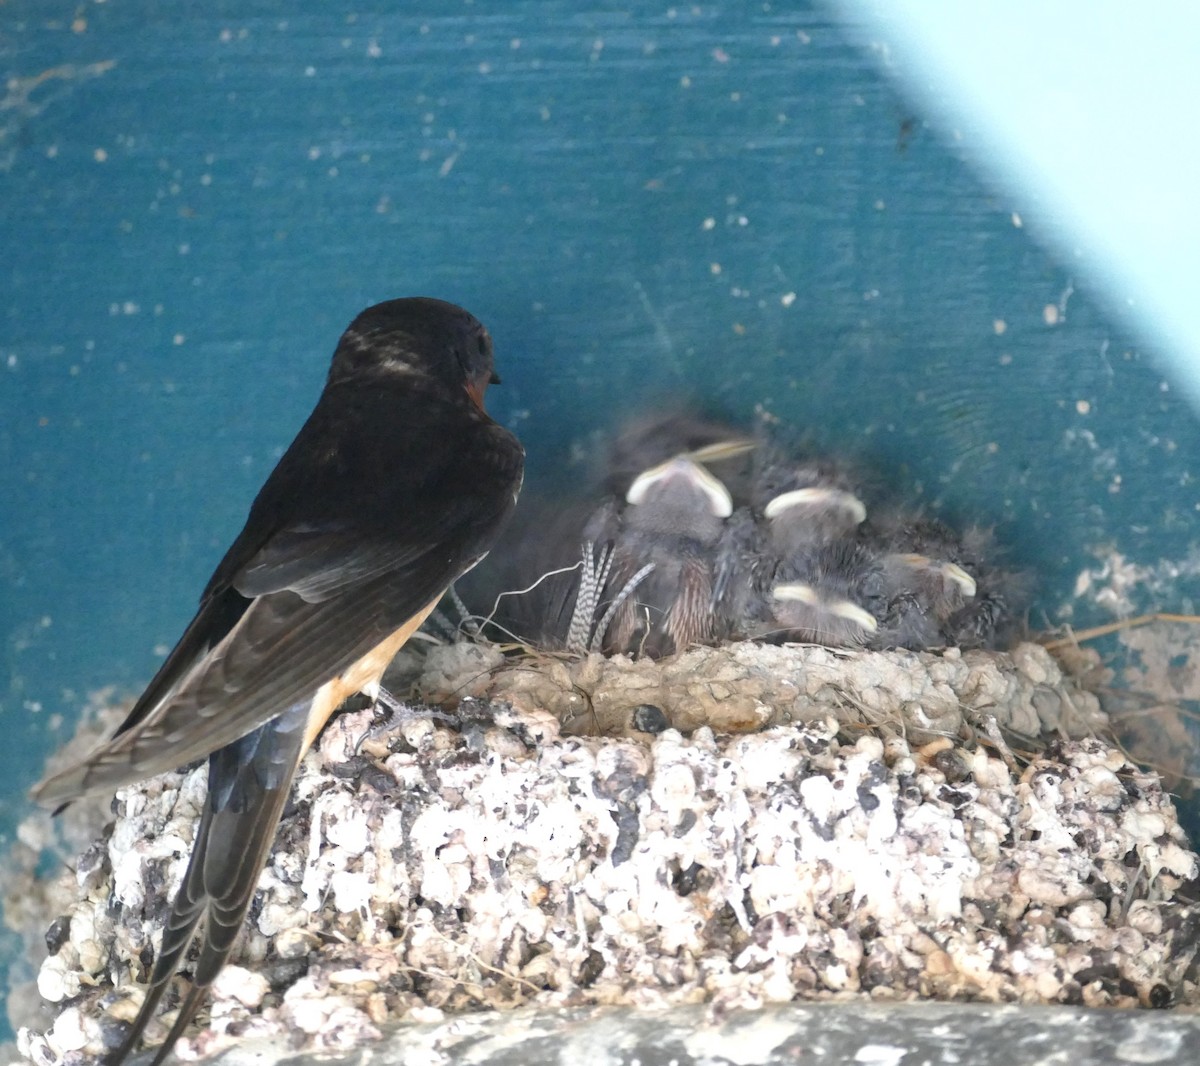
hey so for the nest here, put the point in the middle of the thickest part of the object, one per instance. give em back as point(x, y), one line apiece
point(736, 826)
point(745, 687)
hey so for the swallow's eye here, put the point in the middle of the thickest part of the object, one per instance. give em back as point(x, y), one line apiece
point(482, 341)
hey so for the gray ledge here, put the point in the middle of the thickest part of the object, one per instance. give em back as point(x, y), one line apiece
point(879, 1034)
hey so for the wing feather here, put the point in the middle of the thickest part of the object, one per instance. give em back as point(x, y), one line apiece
point(295, 603)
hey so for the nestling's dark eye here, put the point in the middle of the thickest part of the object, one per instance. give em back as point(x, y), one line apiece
point(482, 341)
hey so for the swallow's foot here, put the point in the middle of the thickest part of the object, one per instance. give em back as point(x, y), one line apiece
point(389, 712)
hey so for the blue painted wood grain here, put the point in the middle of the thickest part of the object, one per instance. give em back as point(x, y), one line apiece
point(722, 201)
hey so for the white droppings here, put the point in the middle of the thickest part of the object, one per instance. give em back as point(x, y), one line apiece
point(70, 1033)
point(247, 987)
point(1119, 585)
point(881, 1054)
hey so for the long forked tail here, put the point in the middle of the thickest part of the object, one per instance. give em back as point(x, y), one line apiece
point(248, 785)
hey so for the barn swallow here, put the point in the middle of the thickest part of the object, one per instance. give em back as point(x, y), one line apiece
point(396, 484)
point(842, 592)
point(684, 471)
point(663, 541)
point(930, 557)
point(742, 572)
point(994, 615)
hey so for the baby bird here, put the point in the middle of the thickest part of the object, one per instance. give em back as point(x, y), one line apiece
point(704, 534)
point(645, 442)
point(943, 588)
point(829, 596)
point(806, 501)
point(788, 565)
point(561, 575)
point(663, 545)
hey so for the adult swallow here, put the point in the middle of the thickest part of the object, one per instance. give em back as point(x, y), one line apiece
point(660, 580)
point(397, 484)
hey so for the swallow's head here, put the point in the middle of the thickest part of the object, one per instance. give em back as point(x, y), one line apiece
point(813, 514)
point(831, 595)
point(809, 614)
point(418, 336)
point(679, 498)
point(805, 501)
point(648, 440)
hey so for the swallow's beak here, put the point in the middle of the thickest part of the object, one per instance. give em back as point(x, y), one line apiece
point(494, 379)
point(818, 497)
point(722, 449)
point(476, 389)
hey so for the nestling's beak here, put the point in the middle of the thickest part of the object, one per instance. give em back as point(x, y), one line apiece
point(681, 466)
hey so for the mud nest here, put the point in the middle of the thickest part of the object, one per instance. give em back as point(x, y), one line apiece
point(735, 826)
